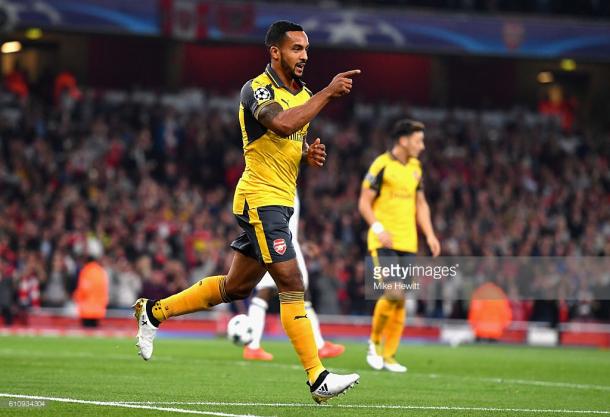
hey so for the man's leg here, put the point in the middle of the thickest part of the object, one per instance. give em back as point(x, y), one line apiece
point(384, 309)
point(381, 315)
point(243, 276)
point(396, 322)
point(392, 335)
point(315, 324)
point(393, 329)
point(257, 313)
point(325, 349)
point(311, 314)
point(323, 384)
point(294, 318)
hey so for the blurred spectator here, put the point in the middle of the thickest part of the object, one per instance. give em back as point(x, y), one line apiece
point(6, 294)
point(16, 82)
point(557, 105)
point(91, 294)
point(125, 284)
point(31, 276)
point(66, 88)
point(56, 289)
point(490, 312)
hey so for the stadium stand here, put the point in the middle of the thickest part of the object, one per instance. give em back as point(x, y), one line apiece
point(150, 177)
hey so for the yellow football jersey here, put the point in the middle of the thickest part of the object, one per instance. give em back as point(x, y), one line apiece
point(272, 161)
point(396, 185)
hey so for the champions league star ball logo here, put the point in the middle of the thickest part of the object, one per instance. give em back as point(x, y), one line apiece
point(261, 94)
point(353, 28)
point(10, 11)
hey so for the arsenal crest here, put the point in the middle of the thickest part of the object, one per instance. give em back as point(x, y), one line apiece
point(279, 246)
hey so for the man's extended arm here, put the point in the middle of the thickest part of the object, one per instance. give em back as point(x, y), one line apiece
point(286, 122)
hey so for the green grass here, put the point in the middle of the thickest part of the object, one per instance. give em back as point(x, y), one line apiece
point(505, 378)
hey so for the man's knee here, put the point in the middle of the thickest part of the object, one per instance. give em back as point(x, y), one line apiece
point(238, 292)
point(294, 283)
point(289, 280)
point(238, 289)
point(243, 276)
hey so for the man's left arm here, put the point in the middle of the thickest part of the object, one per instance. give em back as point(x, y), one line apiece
point(422, 214)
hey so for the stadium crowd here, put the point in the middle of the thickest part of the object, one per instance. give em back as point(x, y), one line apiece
point(150, 178)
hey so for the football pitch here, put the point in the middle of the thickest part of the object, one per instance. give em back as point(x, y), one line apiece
point(60, 377)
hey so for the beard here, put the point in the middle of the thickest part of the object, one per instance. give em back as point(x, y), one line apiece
point(289, 70)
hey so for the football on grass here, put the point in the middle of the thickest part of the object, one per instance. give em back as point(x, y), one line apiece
point(239, 330)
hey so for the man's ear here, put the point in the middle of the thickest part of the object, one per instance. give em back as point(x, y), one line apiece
point(275, 52)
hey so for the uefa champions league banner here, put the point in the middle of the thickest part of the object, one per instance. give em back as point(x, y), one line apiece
point(381, 29)
point(102, 16)
point(387, 29)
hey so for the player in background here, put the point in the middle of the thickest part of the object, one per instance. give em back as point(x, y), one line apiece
point(393, 203)
point(266, 290)
point(274, 115)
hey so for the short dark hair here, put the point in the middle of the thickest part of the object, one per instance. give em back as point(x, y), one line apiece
point(405, 127)
point(277, 31)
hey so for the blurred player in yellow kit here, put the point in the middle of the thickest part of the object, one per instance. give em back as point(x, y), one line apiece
point(274, 114)
point(393, 203)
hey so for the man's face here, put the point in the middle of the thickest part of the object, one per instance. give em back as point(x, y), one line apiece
point(293, 53)
point(414, 143)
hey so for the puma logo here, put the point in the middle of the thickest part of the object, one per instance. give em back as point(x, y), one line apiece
point(300, 317)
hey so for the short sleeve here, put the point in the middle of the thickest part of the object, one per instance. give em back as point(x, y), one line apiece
point(255, 96)
point(374, 176)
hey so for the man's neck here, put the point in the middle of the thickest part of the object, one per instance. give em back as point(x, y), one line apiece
point(287, 80)
point(400, 153)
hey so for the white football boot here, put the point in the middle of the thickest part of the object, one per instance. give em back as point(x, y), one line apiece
point(392, 365)
point(330, 385)
point(146, 331)
point(373, 358)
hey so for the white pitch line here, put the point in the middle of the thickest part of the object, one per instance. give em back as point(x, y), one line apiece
point(497, 380)
point(385, 407)
point(124, 405)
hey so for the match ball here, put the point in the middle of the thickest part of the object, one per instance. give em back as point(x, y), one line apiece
point(240, 330)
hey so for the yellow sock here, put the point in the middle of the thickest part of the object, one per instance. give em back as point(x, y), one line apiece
point(393, 330)
point(298, 328)
point(206, 293)
point(381, 315)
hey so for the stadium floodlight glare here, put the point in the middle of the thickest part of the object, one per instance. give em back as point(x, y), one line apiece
point(33, 33)
point(10, 47)
point(567, 64)
point(545, 77)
